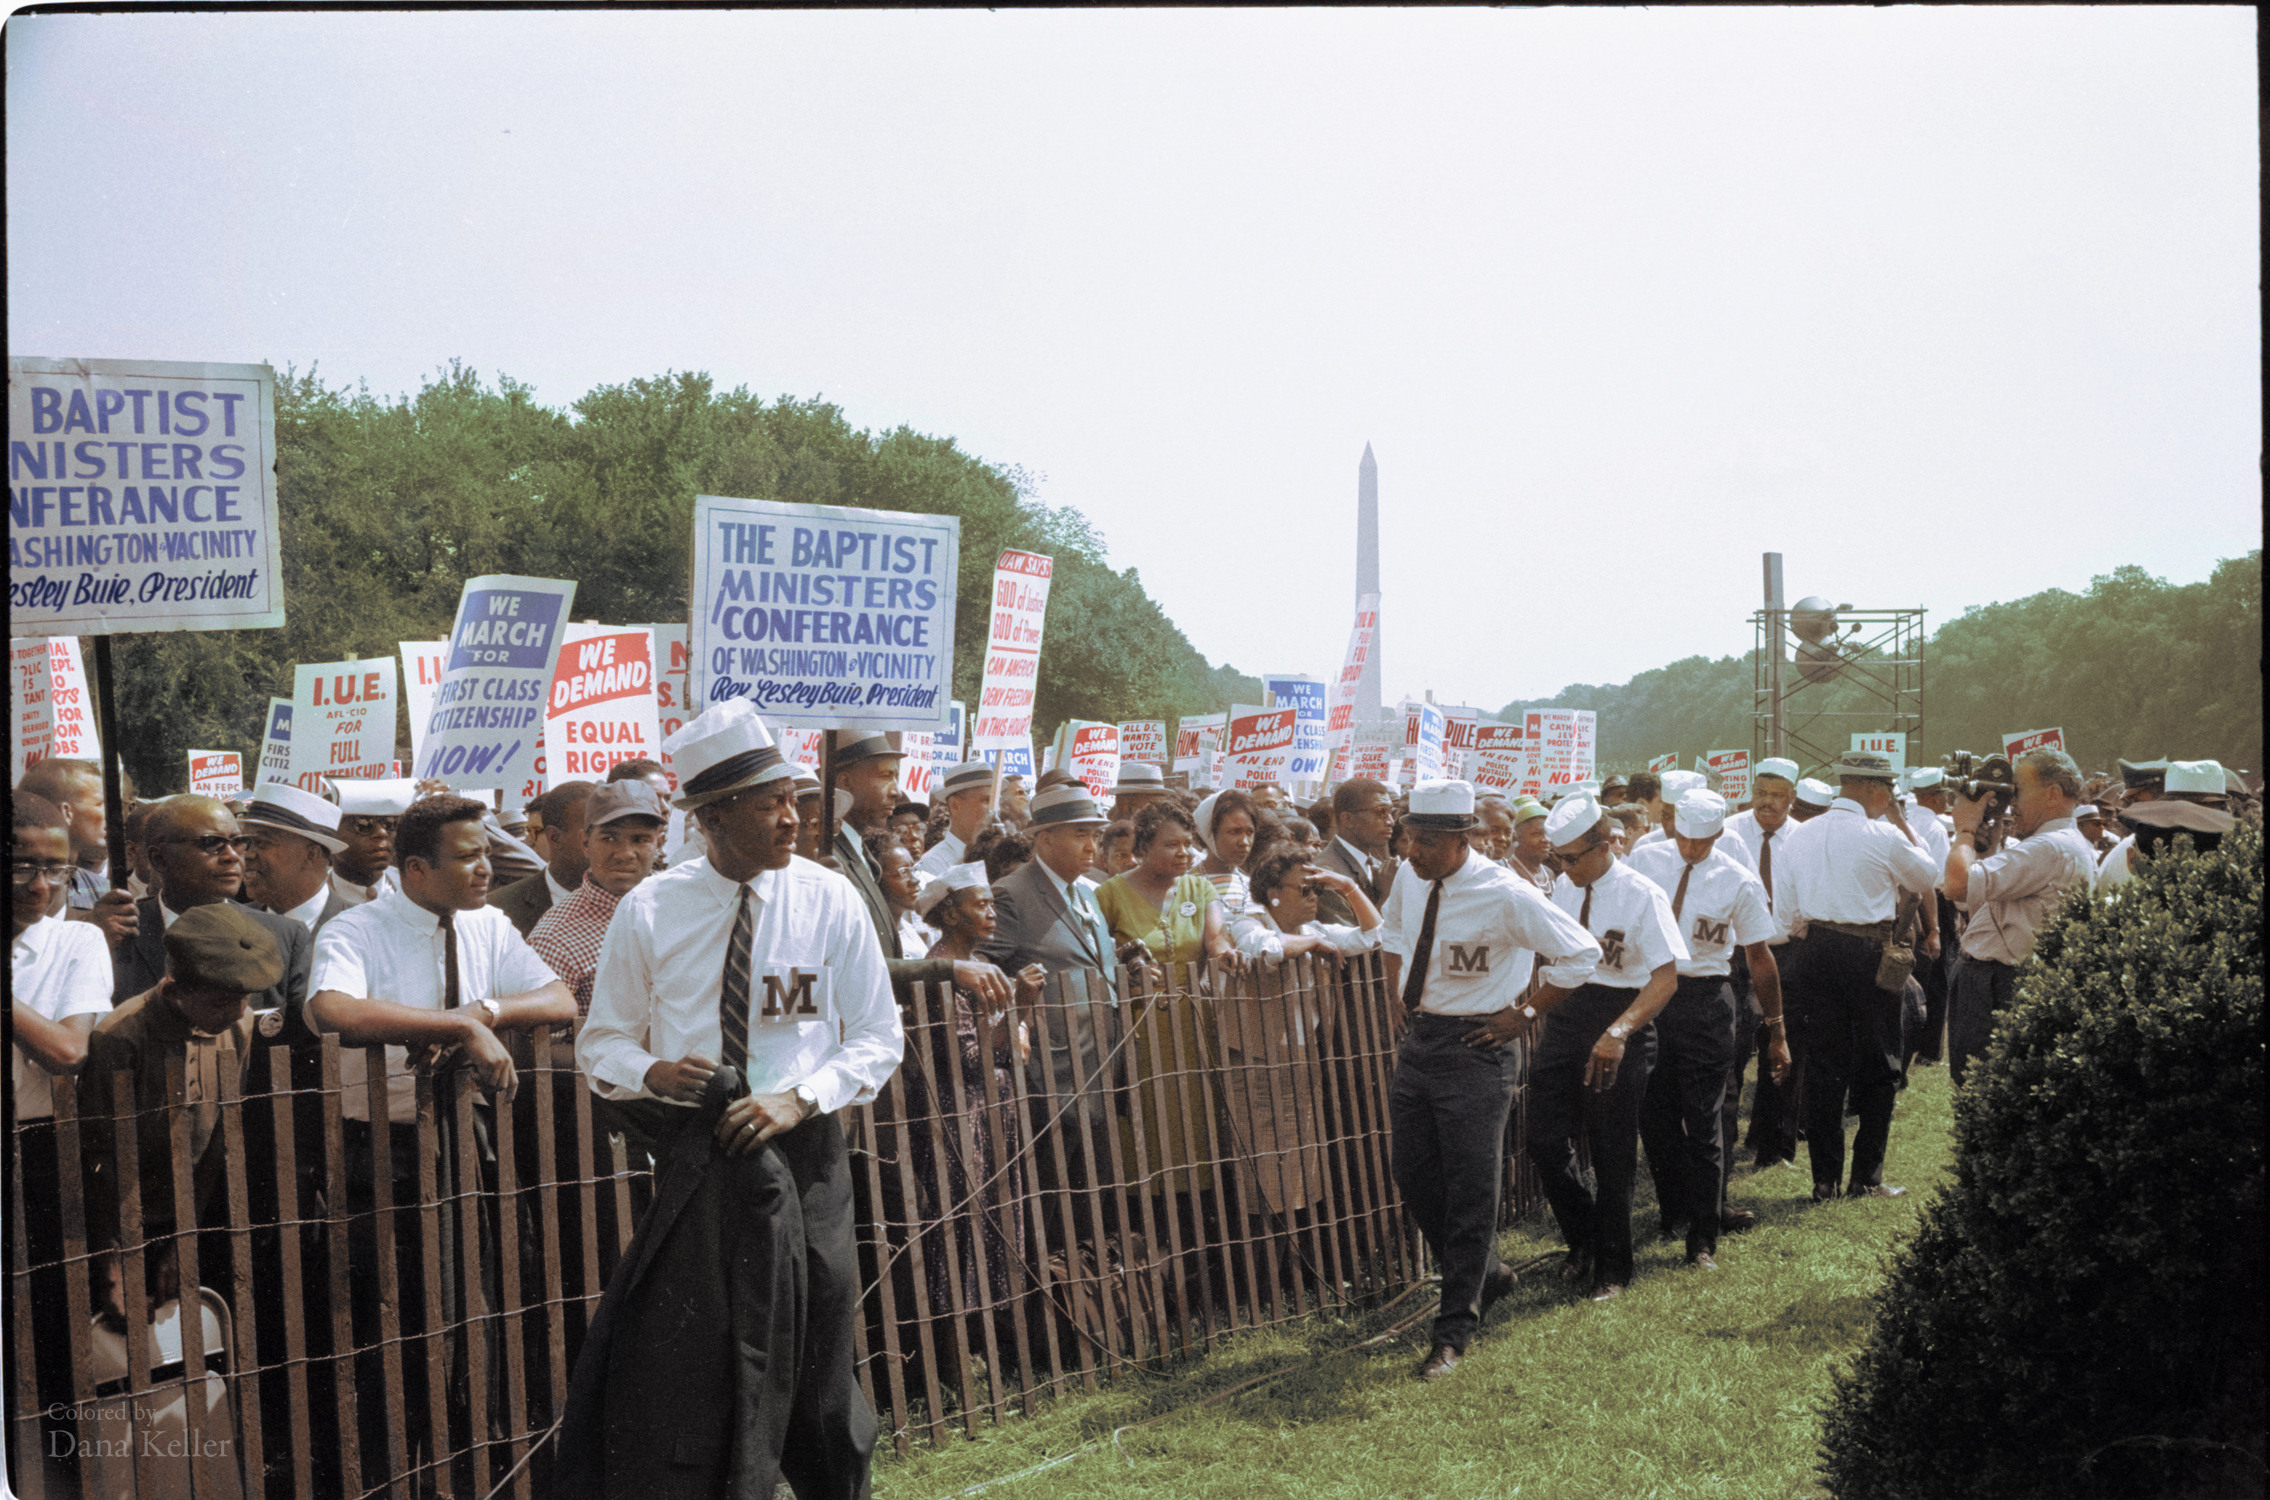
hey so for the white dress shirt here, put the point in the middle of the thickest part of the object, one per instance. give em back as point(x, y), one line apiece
point(1743, 832)
point(1656, 838)
point(1363, 862)
point(1491, 928)
point(394, 950)
point(1842, 867)
point(307, 911)
point(57, 969)
point(1630, 920)
point(1931, 834)
point(1724, 908)
point(2013, 891)
point(1259, 937)
point(2113, 870)
point(389, 883)
point(654, 996)
point(941, 856)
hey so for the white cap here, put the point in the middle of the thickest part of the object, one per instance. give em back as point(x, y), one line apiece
point(1571, 818)
point(1779, 765)
point(364, 797)
point(1585, 788)
point(290, 810)
point(1443, 804)
point(725, 749)
point(1919, 777)
point(1815, 793)
point(1677, 784)
point(2196, 776)
point(1701, 814)
point(938, 887)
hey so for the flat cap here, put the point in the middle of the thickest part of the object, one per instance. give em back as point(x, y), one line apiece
point(221, 946)
point(623, 799)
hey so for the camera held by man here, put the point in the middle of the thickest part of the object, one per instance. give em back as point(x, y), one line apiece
point(1983, 778)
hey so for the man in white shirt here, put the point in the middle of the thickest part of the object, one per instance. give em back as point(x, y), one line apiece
point(1676, 784)
point(968, 790)
point(1758, 831)
point(290, 837)
point(1601, 1041)
point(1720, 908)
point(1840, 884)
point(744, 993)
point(369, 809)
point(1935, 961)
point(1463, 941)
point(431, 967)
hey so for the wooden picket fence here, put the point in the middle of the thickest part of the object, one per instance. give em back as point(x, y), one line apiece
point(1218, 1161)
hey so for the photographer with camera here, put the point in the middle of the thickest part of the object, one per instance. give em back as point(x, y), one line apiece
point(2008, 890)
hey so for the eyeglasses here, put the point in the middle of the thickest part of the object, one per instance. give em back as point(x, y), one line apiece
point(370, 828)
point(25, 871)
point(213, 843)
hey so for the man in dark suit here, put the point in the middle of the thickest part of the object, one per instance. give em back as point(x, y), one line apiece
point(193, 843)
point(525, 901)
point(289, 839)
point(1363, 820)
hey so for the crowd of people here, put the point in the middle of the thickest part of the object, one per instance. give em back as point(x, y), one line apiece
point(1622, 951)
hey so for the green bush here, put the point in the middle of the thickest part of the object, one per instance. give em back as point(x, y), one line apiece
point(2081, 1312)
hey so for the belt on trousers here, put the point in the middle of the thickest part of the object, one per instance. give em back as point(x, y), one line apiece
point(1874, 932)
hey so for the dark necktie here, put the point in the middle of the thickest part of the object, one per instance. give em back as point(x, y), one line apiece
point(1765, 865)
point(450, 998)
point(733, 996)
point(1584, 917)
point(1416, 985)
point(1679, 897)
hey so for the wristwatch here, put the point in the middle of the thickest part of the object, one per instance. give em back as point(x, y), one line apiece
point(496, 1011)
point(1620, 1032)
point(1529, 1013)
point(808, 1098)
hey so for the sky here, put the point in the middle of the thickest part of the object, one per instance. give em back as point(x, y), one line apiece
point(1946, 305)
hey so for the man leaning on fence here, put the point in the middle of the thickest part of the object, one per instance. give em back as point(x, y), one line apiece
point(1463, 938)
point(741, 1000)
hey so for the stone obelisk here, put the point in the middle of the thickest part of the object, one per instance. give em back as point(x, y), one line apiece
point(1367, 576)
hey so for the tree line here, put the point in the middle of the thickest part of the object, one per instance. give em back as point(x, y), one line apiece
point(388, 506)
point(2136, 667)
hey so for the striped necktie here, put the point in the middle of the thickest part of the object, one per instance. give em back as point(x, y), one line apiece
point(733, 996)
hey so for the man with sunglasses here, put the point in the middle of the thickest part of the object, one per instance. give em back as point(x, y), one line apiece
point(1363, 820)
point(369, 810)
point(196, 851)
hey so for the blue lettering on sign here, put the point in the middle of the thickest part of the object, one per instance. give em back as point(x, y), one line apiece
point(506, 628)
point(280, 726)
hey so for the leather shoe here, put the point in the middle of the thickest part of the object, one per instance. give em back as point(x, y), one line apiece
point(1578, 1267)
point(1735, 1220)
point(1607, 1291)
point(1824, 1191)
point(1441, 1362)
point(1876, 1190)
point(1701, 1260)
point(1495, 1286)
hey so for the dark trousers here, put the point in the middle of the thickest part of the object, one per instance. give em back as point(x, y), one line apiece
point(1937, 975)
point(1852, 1047)
point(1977, 992)
point(1679, 1115)
point(1746, 1042)
point(1595, 1217)
point(1447, 1106)
point(1777, 1112)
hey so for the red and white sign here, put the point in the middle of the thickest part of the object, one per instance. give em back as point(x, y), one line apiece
point(74, 709)
point(1012, 651)
point(1458, 740)
point(1144, 739)
point(671, 706)
point(917, 774)
point(343, 716)
point(1374, 750)
point(1562, 741)
point(1891, 746)
point(1090, 751)
point(602, 708)
point(1668, 761)
point(423, 662)
point(1194, 737)
point(801, 747)
point(31, 713)
point(1259, 746)
point(1500, 757)
point(2015, 745)
point(1732, 768)
point(1340, 705)
point(216, 773)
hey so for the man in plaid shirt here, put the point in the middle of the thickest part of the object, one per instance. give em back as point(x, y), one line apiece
point(623, 828)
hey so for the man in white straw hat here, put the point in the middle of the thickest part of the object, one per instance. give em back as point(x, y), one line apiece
point(290, 838)
point(1721, 910)
point(1600, 1042)
point(968, 793)
point(741, 1000)
point(1475, 954)
point(2197, 806)
point(1841, 882)
point(2011, 892)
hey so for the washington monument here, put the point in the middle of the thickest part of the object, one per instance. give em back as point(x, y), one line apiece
point(1367, 577)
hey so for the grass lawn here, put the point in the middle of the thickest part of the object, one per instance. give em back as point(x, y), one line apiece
point(1688, 1385)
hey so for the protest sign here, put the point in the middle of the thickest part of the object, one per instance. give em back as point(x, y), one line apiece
point(422, 665)
point(216, 773)
point(1373, 748)
point(801, 747)
point(602, 707)
point(1194, 736)
point(72, 706)
point(503, 649)
point(1500, 756)
point(1423, 730)
point(1892, 746)
point(916, 773)
point(1340, 706)
point(1458, 723)
point(1661, 763)
point(31, 717)
point(1018, 616)
point(1144, 739)
point(1562, 744)
point(946, 744)
point(2015, 745)
point(1090, 751)
point(1305, 696)
point(672, 699)
point(1732, 770)
point(141, 497)
point(827, 616)
point(276, 742)
point(342, 719)
point(1013, 760)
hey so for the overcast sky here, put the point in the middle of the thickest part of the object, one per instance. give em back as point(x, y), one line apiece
point(1946, 305)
